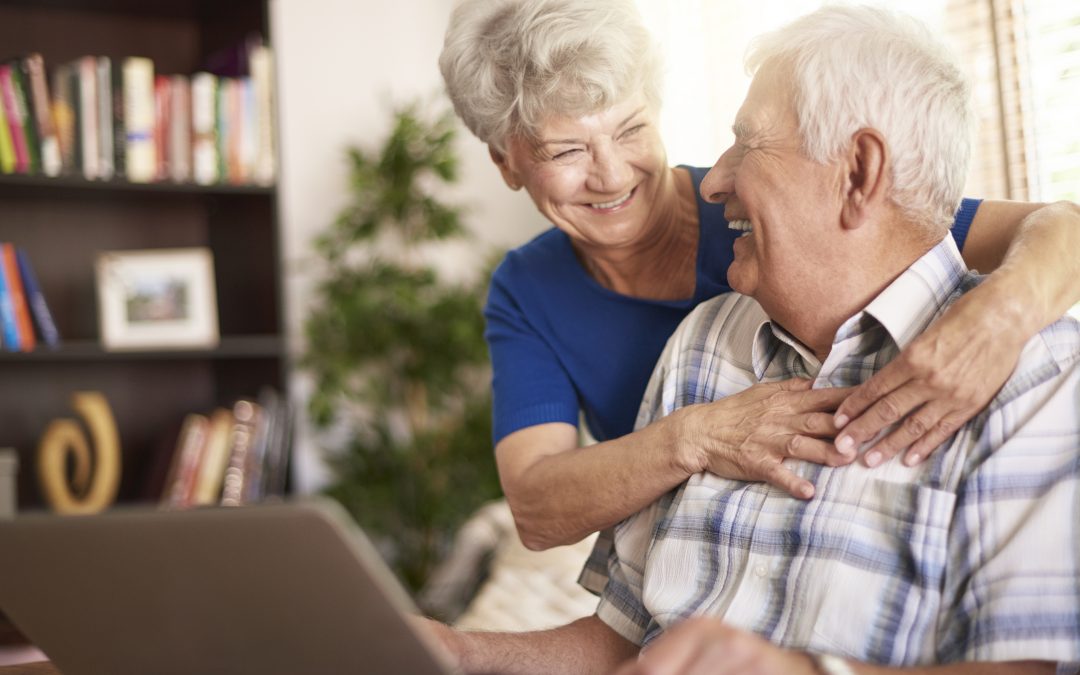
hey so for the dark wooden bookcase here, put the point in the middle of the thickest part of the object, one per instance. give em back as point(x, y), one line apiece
point(63, 222)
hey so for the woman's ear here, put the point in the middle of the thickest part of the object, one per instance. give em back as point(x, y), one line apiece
point(867, 168)
point(509, 175)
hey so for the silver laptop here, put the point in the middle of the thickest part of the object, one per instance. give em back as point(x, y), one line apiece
point(287, 588)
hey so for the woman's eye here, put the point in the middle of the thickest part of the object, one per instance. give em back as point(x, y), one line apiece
point(632, 130)
point(567, 154)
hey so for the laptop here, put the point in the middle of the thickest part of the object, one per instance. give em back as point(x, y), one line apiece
point(284, 588)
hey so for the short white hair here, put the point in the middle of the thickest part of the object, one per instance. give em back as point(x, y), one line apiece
point(856, 67)
point(510, 64)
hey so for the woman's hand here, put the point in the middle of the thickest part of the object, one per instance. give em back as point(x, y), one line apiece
point(940, 381)
point(747, 436)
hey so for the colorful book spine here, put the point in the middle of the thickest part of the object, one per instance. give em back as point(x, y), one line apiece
point(18, 298)
point(140, 161)
point(63, 108)
point(262, 80)
point(180, 130)
point(179, 485)
point(162, 124)
point(36, 300)
point(9, 330)
point(21, 87)
point(7, 150)
point(33, 66)
point(15, 119)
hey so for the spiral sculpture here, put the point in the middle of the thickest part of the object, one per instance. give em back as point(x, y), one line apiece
point(95, 478)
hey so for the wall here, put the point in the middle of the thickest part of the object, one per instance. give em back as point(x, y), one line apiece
point(343, 65)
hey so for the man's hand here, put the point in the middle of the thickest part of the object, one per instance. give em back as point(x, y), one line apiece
point(940, 381)
point(705, 645)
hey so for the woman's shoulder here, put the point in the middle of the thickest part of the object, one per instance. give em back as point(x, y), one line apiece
point(550, 247)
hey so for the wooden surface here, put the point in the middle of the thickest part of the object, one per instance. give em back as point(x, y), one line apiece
point(42, 668)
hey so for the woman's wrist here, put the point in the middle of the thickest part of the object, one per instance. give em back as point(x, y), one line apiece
point(681, 431)
point(1016, 310)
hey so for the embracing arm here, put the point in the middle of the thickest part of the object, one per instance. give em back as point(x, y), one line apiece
point(560, 493)
point(945, 376)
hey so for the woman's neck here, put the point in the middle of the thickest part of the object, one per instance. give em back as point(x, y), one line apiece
point(662, 265)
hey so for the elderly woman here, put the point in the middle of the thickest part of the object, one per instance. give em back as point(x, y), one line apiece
point(566, 94)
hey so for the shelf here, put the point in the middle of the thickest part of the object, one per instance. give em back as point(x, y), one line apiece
point(231, 347)
point(77, 183)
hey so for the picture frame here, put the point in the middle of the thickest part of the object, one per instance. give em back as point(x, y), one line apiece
point(157, 299)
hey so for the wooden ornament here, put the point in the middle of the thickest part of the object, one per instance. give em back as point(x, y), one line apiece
point(95, 479)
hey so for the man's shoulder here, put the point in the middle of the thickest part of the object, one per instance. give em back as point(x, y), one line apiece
point(725, 324)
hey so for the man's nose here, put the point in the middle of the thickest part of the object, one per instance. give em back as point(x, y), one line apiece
point(718, 183)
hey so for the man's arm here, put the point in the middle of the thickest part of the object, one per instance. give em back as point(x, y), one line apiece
point(706, 645)
point(585, 646)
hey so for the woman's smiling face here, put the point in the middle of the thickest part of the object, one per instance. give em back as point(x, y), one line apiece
point(595, 177)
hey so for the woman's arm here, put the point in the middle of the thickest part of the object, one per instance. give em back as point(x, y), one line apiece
point(951, 371)
point(560, 493)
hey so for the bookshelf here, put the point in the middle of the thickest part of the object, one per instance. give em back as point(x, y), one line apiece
point(63, 222)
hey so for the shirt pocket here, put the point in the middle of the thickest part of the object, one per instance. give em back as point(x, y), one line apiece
point(881, 594)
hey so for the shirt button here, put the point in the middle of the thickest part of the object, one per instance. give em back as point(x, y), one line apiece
point(761, 571)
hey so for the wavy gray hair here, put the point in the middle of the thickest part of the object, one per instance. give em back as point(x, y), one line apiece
point(510, 64)
point(855, 67)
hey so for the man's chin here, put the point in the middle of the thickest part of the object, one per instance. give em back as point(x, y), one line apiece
point(741, 278)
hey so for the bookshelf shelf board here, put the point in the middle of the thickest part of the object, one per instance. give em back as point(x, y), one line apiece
point(77, 183)
point(230, 347)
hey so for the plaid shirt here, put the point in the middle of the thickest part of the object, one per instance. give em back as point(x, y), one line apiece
point(971, 556)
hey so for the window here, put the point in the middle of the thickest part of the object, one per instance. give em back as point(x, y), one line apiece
point(1023, 57)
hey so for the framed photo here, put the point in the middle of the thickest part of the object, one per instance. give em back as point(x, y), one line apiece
point(157, 299)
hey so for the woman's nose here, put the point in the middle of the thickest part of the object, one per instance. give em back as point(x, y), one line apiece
point(611, 172)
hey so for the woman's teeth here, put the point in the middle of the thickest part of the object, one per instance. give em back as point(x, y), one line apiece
point(612, 204)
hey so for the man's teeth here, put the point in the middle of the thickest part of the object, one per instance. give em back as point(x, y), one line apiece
point(612, 204)
point(741, 225)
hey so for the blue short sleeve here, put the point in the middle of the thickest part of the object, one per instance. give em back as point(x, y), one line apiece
point(962, 223)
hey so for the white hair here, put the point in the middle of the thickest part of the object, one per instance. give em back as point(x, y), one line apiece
point(510, 64)
point(857, 67)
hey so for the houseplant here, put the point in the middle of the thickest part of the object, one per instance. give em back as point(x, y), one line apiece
point(397, 354)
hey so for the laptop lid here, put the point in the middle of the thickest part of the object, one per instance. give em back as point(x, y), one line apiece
point(286, 588)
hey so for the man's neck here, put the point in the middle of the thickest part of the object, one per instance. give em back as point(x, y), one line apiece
point(854, 279)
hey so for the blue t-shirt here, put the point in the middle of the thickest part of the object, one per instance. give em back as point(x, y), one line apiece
point(560, 342)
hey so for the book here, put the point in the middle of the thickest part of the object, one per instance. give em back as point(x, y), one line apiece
point(7, 150)
point(246, 416)
point(140, 158)
point(18, 298)
point(119, 145)
point(203, 128)
point(262, 82)
point(88, 129)
point(33, 66)
point(277, 453)
point(36, 300)
point(21, 87)
point(106, 148)
point(162, 124)
point(9, 330)
point(215, 458)
point(63, 107)
point(190, 443)
point(15, 116)
point(180, 130)
point(254, 471)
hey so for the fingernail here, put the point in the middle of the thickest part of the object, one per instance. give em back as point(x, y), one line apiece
point(807, 491)
point(846, 445)
point(912, 459)
point(841, 421)
point(873, 458)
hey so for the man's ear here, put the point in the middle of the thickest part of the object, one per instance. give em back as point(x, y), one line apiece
point(509, 175)
point(867, 170)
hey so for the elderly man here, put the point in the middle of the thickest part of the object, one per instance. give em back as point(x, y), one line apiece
point(851, 150)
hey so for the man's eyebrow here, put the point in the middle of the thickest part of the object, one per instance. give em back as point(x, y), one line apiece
point(740, 129)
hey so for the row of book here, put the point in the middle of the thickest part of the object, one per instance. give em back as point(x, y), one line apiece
point(24, 316)
point(104, 119)
point(231, 456)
